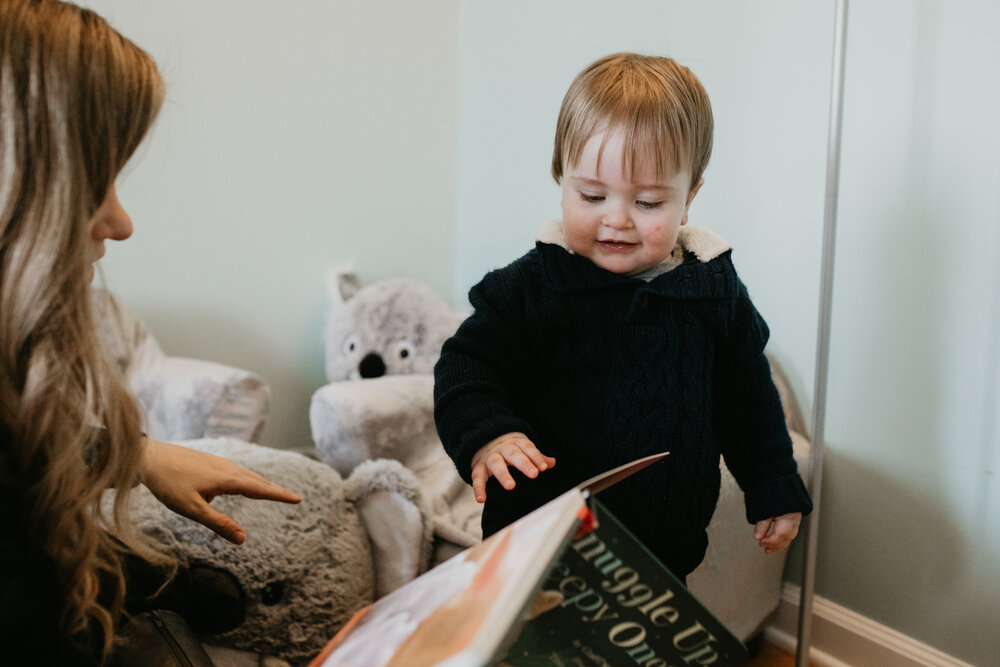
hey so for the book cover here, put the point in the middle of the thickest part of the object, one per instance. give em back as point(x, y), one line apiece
point(607, 601)
point(564, 585)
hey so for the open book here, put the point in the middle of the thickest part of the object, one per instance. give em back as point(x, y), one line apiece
point(564, 585)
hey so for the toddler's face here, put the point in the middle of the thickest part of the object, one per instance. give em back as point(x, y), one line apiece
point(625, 224)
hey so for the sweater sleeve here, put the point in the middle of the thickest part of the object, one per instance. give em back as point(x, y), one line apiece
point(476, 377)
point(750, 420)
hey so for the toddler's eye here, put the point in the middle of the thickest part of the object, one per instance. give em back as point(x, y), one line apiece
point(649, 204)
point(593, 199)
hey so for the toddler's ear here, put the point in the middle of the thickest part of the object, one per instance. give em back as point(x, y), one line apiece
point(690, 198)
point(694, 191)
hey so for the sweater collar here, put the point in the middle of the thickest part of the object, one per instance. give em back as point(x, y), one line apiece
point(694, 269)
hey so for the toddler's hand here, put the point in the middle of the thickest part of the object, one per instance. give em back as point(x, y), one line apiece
point(510, 449)
point(776, 533)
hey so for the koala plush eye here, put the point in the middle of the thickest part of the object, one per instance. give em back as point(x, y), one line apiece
point(351, 344)
point(405, 350)
point(272, 593)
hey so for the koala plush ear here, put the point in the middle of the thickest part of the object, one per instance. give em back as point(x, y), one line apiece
point(342, 284)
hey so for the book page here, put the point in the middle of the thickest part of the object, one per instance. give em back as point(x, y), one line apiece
point(463, 611)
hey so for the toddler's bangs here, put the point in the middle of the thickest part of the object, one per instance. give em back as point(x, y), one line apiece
point(648, 142)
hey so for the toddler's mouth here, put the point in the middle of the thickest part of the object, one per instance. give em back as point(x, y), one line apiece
point(617, 246)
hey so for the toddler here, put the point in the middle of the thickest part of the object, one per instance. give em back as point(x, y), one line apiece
point(623, 333)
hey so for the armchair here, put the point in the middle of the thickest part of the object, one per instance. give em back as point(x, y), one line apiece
point(184, 398)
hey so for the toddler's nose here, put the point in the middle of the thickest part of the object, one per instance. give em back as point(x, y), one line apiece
point(618, 217)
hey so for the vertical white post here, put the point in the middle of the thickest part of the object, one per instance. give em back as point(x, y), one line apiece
point(823, 333)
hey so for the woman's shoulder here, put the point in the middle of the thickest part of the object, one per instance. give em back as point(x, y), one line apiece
point(29, 599)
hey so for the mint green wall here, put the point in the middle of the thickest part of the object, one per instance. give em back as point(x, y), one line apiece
point(296, 136)
point(911, 525)
point(910, 531)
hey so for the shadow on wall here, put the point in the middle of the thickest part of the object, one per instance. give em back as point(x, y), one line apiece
point(897, 534)
point(292, 369)
point(897, 556)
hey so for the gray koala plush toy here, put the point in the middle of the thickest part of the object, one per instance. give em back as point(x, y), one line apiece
point(382, 342)
point(391, 327)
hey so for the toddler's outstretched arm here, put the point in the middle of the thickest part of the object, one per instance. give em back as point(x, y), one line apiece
point(776, 533)
point(509, 449)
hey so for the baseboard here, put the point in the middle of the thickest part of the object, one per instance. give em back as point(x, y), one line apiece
point(843, 638)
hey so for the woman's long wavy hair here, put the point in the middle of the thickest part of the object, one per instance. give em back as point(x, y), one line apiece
point(76, 99)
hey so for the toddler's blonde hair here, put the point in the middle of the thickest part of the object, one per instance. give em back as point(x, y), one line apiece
point(659, 105)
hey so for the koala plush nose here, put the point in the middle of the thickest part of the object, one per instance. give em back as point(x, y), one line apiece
point(372, 366)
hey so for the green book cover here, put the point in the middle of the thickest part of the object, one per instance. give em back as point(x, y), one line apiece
point(606, 601)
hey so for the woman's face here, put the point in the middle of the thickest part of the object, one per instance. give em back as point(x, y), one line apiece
point(110, 221)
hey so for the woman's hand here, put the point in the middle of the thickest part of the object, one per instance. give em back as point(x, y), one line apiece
point(186, 480)
point(776, 533)
point(510, 449)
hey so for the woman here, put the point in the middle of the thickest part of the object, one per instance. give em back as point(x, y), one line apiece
point(76, 99)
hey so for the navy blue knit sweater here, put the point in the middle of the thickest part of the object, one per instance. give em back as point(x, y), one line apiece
point(598, 369)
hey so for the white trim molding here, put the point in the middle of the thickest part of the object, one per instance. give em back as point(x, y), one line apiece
point(844, 638)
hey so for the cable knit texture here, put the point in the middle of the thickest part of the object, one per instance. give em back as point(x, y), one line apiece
point(599, 369)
